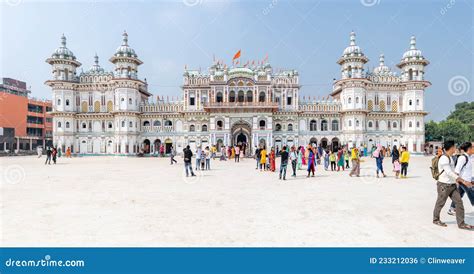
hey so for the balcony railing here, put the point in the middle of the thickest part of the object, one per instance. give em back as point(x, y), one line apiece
point(157, 128)
point(225, 105)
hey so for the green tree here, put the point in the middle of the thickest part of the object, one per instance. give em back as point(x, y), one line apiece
point(454, 130)
point(463, 112)
point(459, 125)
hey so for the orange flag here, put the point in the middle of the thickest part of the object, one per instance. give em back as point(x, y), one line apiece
point(237, 55)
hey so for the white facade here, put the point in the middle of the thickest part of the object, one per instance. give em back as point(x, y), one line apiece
point(99, 112)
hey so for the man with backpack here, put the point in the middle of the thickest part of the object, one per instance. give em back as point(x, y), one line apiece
point(463, 167)
point(442, 170)
point(188, 155)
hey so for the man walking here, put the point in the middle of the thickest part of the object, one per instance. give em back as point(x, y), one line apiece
point(172, 154)
point(48, 156)
point(464, 169)
point(188, 155)
point(284, 162)
point(257, 156)
point(237, 154)
point(446, 187)
point(294, 160)
point(198, 157)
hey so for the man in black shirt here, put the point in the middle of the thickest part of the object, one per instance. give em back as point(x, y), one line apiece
point(188, 155)
point(257, 156)
point(284, 162)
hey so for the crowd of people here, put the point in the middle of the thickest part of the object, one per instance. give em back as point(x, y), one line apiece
point(52, 153)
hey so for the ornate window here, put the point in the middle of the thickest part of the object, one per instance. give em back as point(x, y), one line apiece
point(84, 125)
point(249, 96)
point(157, 123)
point(394, 124)
point(290, 127)
point(192, 128)
point(370, 124)
point(67, 102)
point(220, 125)
point(324, 125)
point(168, 123)
point(232, 96)
point(110, 125)
point(204, 128)
point(261, 97)
point(146, 123)
point(241, 96)
point(370, 105)
point(97, 106)
point(219, 97)
point(349, 100)
point(394, 106)
point(277, 127)
point(59, 124)
point(357, 100)
point(313, 125)
point(110, 106)
point(84, 106)
point(262, 124)
point(130, 101)
point(410, 124)
point(382, 105)
point(335, 125)
point(418, 124)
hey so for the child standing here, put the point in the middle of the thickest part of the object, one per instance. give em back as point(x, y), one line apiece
point(332, 159)
point(396, 168)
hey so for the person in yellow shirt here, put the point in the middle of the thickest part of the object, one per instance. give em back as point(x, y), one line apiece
point(404, 159)
point(355, 162)
point(263, 159)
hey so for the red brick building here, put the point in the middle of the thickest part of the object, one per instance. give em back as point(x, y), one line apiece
point(24, 121)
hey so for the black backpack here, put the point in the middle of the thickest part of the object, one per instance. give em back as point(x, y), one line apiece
point(456, 161)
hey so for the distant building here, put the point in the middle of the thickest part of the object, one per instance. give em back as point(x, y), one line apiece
point(108, 112)
point(24, 121)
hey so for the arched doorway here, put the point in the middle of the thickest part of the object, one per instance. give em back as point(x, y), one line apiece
point(335, 143)
point(313, 141)
point(156, 146)
point(146, 146)
point(168, 145)
point(241, 132)
point(324, 143)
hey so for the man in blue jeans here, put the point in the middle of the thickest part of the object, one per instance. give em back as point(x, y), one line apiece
point(188, 155)
point(464, 169)
point(284, 162)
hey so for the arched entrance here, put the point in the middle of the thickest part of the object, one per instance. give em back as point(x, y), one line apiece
point(324, 143)
point(146, 146)
point(241, 132)
point(156, 146)
point(168, 145)
point(335, 143)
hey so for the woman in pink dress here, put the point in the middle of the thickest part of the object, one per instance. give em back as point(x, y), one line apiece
point(304, 155)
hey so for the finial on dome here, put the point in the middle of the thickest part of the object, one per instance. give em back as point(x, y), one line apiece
point(382, 60)
point(63, 40)
point(413, 42)
point(96, 59)
point(125, 38)
point(353, 38)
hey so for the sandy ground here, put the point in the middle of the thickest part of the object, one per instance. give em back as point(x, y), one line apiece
point(119, 201)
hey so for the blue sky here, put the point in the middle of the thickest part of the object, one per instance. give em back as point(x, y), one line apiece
point(305, 35)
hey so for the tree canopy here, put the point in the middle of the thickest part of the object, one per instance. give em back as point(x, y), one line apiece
point(458, 126)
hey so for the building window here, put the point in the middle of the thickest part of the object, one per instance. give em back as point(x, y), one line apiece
point(261, 97)
point(357, 123)
point(335, 125)
point(410, 124)
point(130, 124)
point(290, 127)
point(130, 101)
point(350, 123)
point(157, 123)
point(84, 125)
point(313, 125)
point(394, 106)
point(232, 96)
point(370, 124)
point(262, 124)
point(123, 123)
point(241, 96)
point(394, 125)
point(59, 102)
point(192, 128)
point(249, 96)
point(417, 102)
point(349, 100)
point(277, 127)
point(324, 125)
point(220, 125)
point(418, 124)
point(219, 97)
point(370, 105)
point(357, 100)
point(410, 102)
point(96, 106)
point(59, 124)
point(67, 124)
point(382, 105)
point(146, 123)
point(192, 100)
point(288, 100)
point(110, 124)
point(204, 128)
point(168, 123)
point(67, 102)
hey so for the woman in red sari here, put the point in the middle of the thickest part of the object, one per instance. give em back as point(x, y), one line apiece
point(304, 155)
point(272, 160)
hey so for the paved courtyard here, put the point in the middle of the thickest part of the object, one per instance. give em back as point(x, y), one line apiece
point(120, 201)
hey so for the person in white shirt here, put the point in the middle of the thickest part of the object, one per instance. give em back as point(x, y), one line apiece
point(464, 170)
point(446, 187)
point(293, 159)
